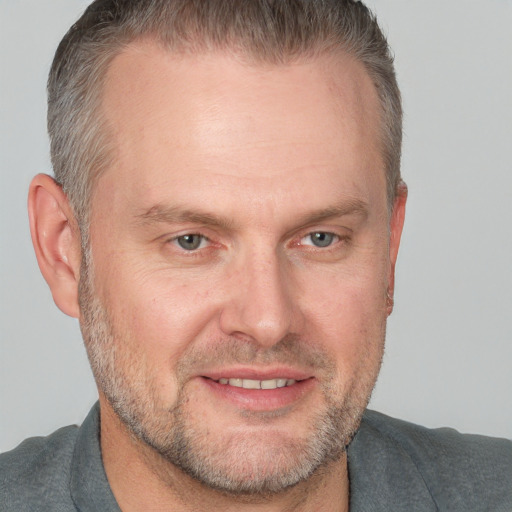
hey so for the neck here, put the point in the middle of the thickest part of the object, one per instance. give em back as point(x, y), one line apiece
point(142, 479)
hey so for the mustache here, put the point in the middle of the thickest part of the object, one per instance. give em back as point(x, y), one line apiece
point(292, 351)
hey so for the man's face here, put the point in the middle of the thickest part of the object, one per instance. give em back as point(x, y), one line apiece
point(240, 241)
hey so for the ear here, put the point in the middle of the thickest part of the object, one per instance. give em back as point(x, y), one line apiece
point(56, 241)
point(396, 226)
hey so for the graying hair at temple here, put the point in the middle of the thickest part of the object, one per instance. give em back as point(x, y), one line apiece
point(268, 31)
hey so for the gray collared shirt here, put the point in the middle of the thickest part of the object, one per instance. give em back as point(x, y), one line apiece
point(393, 466)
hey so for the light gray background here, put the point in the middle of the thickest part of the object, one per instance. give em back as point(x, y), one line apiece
point(449, 349)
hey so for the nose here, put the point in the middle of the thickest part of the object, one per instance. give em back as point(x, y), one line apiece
point(262, 306)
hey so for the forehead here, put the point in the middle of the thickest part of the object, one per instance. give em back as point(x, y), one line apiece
point(188, 118)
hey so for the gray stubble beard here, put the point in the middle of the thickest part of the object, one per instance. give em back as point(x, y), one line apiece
point(178, 443)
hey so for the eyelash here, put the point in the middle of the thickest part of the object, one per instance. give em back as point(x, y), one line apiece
point(336, 239)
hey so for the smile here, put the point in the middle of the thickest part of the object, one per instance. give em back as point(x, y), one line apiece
point(263, 394)
point(257, 384)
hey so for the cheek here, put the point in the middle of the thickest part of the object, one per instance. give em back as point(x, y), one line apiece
point(348, 317)
point(166, 317)
point(156, 322)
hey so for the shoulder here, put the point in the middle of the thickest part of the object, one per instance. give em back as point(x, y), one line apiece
point(445, 446)
point(35, 475)
point(458, 469)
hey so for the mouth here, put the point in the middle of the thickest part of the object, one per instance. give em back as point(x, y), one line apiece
point(257, 384)
point(267, 393)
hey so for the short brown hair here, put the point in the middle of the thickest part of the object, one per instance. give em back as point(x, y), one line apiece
point(274, 31)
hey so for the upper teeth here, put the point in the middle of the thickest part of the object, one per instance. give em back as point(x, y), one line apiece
point(258, 384)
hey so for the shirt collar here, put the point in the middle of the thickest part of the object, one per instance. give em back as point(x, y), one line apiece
point(383, 476)
point(89, 486)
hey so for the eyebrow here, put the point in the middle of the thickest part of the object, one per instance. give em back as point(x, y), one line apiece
point(175, 214)
point(355, 207)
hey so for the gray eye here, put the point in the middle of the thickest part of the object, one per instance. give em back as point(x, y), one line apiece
point(322, 239)
point(190, 242)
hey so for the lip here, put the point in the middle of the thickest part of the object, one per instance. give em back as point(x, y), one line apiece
point(259, 400)
point(278, 372)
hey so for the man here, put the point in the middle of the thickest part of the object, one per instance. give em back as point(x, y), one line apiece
point(224, 221)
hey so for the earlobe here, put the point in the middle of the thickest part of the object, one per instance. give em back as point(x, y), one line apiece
point(396, 227)
point(56, 241)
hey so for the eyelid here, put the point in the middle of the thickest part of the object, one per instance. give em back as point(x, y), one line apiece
point(336, 238)
point(333, 226)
